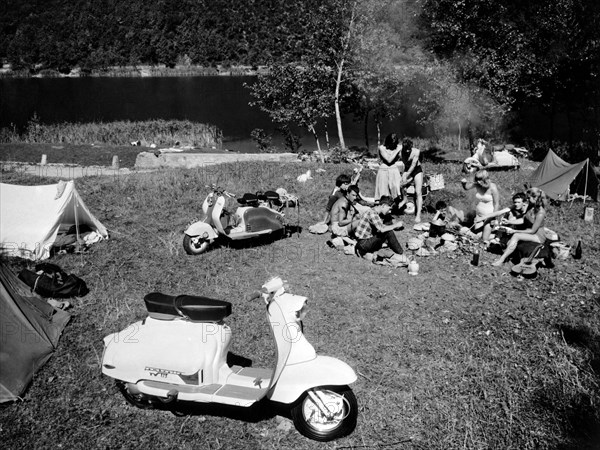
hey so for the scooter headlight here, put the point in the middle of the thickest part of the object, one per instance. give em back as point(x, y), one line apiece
point(205, 235)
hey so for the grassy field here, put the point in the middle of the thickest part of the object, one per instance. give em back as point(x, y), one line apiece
point(456, 357)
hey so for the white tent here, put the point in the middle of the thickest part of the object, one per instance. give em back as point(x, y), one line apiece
point(32, 216)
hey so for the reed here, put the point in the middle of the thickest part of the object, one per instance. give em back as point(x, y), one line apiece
point(159, 132)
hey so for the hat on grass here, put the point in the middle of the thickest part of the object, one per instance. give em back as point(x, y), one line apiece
point(385, 200)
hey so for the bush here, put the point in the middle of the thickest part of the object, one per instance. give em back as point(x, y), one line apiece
point(263, 140)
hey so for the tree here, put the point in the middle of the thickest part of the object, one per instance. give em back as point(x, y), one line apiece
point(448, 103)
point(294, 94)
point(521, 53)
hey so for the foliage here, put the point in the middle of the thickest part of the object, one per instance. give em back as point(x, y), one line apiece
point(60, 34)
point(262, 139)
point(291, 140)
point(159, 132)
point(449, 105)
point(537, 52)
point(293, 94)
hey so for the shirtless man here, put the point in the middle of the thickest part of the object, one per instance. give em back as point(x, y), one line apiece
point(343, 214)
point(517, 212)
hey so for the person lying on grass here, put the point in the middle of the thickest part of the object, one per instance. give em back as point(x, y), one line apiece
point(371, 233)
point(482, 155)
point(344, 217)
point(533, 221)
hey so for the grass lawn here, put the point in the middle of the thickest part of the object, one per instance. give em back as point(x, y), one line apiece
point(456, 357)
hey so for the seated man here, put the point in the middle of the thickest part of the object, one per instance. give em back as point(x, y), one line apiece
point(344, 217)
point(517, 212)
point(371, 233)
point(341, 185)
point(514, 220)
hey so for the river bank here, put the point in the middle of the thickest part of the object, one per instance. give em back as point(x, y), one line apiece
point(144, 71)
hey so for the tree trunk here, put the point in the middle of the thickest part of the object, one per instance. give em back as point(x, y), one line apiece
point(366, 124)
point(378, 133)
point(459, 130)
point(314, 132)
point(338, 115)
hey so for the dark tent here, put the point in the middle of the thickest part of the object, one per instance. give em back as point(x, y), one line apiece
point(557, 178)
point(29, 333)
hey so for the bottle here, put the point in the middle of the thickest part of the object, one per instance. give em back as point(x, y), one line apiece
point(578, 250)
point(413, 267)
point(475, 260)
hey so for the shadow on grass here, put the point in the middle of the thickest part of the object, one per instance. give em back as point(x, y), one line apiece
point(438, 156)
point(576, 412)
point(260, 241)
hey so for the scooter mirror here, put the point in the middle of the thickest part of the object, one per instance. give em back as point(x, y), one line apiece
point(300, 315)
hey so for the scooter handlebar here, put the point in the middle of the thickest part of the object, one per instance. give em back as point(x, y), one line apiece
point(219, 190)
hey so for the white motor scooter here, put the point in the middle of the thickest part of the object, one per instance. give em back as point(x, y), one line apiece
point(179, 352)
point(258, 215)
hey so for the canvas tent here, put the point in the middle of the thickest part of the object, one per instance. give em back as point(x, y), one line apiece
point(29, 333)
point(32, 216)
point(557, 178)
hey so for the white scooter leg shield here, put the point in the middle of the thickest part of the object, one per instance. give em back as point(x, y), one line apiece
point(295, 379)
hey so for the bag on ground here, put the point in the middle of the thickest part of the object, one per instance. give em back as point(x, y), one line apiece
point(50, 281)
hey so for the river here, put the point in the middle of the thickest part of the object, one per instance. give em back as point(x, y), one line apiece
point(219, 100)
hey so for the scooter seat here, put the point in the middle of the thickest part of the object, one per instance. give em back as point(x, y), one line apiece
point(248, 199)
point(195, 308)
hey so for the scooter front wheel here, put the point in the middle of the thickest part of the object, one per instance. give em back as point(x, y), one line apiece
point(195, 245)
point(326, 413)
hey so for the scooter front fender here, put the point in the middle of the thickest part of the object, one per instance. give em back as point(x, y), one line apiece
point(321, 371)
point(199, 228)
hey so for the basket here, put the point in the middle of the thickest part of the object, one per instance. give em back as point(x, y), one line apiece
point(436, 182)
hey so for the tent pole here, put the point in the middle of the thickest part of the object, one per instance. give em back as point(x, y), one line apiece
point(587, 168)
point(75, 205)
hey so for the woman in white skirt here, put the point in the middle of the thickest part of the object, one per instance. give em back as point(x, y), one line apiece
point(389, 175)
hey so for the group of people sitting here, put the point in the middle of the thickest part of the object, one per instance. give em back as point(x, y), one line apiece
point(359, 220)
point(366, 222)
point(523, 222)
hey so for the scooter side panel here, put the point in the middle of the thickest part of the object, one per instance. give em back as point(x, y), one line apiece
point(199, 228)
point(176, 351)
point(321, 371)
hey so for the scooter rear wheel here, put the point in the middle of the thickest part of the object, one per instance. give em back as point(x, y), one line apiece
point(195, 245)
point(140, 400)
point(312, 420)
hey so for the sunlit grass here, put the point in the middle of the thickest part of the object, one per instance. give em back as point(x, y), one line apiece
point(456, 357)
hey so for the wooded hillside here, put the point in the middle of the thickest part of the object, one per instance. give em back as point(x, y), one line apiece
point(61, 34)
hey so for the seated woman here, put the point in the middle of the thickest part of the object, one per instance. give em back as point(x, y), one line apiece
point(533, 221)
point(481, 157)
point(488, 201)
